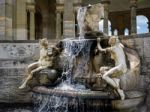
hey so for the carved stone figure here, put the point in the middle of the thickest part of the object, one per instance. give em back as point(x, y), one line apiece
point(45, 61)
point(88, 19)
point(110, 74)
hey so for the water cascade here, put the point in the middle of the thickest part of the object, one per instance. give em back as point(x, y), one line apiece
point(80, 89)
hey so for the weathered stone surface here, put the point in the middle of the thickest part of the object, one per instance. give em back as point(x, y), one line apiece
point(10, 79)
point(18, 50)
point(2, 20)
point(146, 47)
point(14, 58)
point(89, 17)
point(139, 42)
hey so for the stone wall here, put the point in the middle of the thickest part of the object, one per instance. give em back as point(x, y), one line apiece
point(14, 58)
point(141, 43)
point(16, 55)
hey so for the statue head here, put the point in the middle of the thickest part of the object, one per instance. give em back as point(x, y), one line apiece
point(113, 40)
point(43, 42)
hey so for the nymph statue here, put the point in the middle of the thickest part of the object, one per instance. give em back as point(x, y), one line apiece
point(45, 61)
point(110, 74)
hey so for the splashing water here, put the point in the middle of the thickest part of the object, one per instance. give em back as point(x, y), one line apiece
point(59, 103)
point(73, 50)
point(50, 103)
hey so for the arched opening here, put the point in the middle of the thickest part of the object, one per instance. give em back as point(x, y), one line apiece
point(115, 32)
point(45, 19)
point(101, 23)
point(38, 25)
point(142, 26)
point(126, 31)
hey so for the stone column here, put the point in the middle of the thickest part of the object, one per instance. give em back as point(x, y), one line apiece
point(21, 20)
point(9, 19)
point(2, 20)
point(148, 24)
point(32, 25)
point(14, 25)
point(112, 31)
point(69, 20)
point(6, 18)
point(46, 21)
point(133, 6)
point(106, 12)
point(31, 9)
point(58, 24)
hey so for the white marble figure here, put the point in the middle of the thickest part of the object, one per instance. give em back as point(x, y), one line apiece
point(110, 74)
point(44, 61)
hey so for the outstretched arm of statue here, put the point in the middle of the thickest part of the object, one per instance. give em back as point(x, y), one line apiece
point(100, 48)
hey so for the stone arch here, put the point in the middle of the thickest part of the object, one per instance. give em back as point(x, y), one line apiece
point(142, 24)
point(116, 32)
point(45, 19)
point(38, 25)
point(126, 31)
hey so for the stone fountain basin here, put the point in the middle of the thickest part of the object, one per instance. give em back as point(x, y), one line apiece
point(133, 98)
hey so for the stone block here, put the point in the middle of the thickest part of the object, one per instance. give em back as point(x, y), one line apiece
point(146, 47)
point(19, 50)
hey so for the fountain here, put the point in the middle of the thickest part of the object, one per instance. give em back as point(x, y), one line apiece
point(75, 85)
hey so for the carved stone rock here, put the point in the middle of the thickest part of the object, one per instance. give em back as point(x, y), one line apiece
point(46, 77)
point(89, 17)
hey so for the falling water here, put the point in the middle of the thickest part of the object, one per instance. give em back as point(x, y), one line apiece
point(53, 103)
point(74, 49)
point(80, 19)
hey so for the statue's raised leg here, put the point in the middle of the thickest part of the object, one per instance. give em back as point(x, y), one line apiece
point(30, 68)
point(114, 83)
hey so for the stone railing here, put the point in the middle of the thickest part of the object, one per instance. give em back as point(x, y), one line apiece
point(62, 1)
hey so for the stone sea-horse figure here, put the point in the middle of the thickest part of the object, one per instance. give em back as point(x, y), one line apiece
point(45, 61)
point(118, 55)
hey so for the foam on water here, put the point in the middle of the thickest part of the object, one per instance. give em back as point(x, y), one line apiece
point(52, 103)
